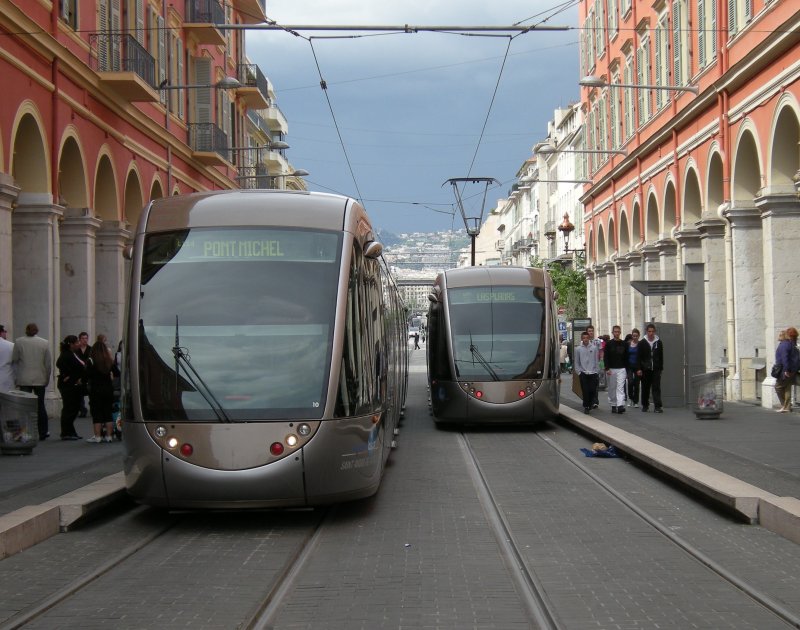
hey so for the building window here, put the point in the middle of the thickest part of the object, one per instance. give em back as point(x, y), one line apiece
point(69, 12)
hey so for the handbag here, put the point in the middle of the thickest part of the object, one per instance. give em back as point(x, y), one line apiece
point(777, 370)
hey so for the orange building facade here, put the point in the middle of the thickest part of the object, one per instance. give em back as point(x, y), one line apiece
point(708, 190)
point(108, 104)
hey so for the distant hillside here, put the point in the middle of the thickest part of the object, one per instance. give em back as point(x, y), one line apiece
point(388, 238)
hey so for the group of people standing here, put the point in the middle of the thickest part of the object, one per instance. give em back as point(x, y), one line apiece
point(82, 370)
point(632, 366)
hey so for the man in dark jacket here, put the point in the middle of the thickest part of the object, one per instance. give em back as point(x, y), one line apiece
point(650, 357)
point(615, 355)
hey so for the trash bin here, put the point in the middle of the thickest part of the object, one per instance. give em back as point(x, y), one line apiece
point(19, 431)
point(707, 391)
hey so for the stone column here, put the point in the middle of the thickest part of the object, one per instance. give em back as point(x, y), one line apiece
point(623, 275)
point(612, 292)
point(671, 306)
point(637, 300)
point(112, 273)
point(35, 252)
point(601, 273)
point(78, 272)
point(591, 293)
point(651, 262)
point(749, 304)
point(8, 194)
point(780, 219)
point(712, 246)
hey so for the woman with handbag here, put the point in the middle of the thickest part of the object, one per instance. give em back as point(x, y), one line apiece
point(787, 363)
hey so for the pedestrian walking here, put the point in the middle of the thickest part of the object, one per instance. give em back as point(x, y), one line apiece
point(650, 363)
point(631, 367)
point(586, 366)
point(71, 383)
point(33, 365)
point(101, 370)
point(615, 357)
point(598, 344)
point(787, 358)
point(6, 366)
point(416, 341)
point(83, 355)
point(563, 355)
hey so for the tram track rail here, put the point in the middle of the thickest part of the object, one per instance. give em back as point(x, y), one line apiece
point(263, 615)
point(530, 590)
point(789, 617)
point(27, 616)
point(532, 593)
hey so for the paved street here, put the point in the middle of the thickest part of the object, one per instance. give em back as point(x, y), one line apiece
point(423, 552)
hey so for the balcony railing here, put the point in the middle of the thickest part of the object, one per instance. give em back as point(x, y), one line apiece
point(500, 245)
point(208, 138)
point(121, 53)
point(205, 12)
point(251, 177)
point(550, 229)
point(255, 87)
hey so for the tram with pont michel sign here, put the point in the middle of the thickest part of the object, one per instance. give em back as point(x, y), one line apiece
point(265, 355)
point(493, 346)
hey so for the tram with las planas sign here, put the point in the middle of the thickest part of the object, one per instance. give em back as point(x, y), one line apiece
point(493, 346)
point(265, 353)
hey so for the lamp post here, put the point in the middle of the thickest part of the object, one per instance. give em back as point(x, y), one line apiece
point(566, 228)
point(228, 83)
point(592, 81)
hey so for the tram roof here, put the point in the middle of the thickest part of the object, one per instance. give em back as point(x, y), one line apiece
point(236, 208)
point(486, 276)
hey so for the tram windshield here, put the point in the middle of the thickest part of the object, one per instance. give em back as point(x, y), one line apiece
point(497, 332)
point(236, 325)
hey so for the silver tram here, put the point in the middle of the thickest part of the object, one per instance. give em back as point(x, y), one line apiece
point(493, 346)
point(265, 354)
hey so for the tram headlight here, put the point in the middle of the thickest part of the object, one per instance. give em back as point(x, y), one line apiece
point(172, 442)
point(291, 440)
point(160, 431)
point(303, 429)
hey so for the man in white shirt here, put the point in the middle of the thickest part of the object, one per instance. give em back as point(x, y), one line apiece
point(6, 367)
point(586, 366)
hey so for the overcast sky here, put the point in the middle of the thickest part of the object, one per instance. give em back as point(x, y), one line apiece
point(410, 108)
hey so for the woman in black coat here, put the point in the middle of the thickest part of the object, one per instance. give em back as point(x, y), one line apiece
point(71, 382)
point(101, 370)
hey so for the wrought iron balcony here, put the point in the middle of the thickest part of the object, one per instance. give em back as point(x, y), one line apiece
point(550, 229)
point(124, 65)
point(202, 18)
point(255, 87)
point(500, 245)
point(256, 176)
point(209, 144)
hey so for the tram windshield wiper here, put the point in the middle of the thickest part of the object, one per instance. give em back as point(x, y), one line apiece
point(476, 354)
point(182, 356)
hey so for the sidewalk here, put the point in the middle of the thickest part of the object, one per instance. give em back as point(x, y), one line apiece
point(748, 459)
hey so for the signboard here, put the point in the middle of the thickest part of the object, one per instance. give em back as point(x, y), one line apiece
point(562, 326)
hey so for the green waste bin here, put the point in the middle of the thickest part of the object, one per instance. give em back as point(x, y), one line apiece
point(19, 431)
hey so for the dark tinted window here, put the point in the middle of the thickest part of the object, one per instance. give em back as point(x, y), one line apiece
point(251, 313)
point(497, 333)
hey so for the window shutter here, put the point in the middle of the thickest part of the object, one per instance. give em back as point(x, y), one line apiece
point(103, 41)
point(139, 12)
point(712, 30)
point(731, 18)
point(114, 27)
point(179, 79)
point(677, 69)
point(202, 96)
point(748, 10)
point(701, 32)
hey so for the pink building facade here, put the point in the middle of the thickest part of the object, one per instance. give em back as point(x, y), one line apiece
point(708, 190)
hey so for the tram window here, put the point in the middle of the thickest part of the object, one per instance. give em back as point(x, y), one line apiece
point(497, 332)
point(257, 328)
